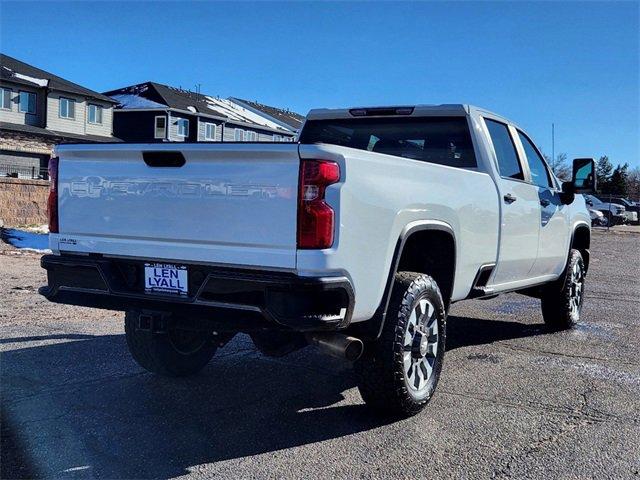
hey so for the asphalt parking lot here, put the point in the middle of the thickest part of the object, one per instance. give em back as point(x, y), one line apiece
point(514, 400)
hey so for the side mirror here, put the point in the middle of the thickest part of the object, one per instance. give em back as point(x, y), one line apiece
point(583, 180)
point(584, 175)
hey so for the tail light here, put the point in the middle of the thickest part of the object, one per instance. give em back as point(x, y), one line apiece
point(52, 202)
point(315, 216)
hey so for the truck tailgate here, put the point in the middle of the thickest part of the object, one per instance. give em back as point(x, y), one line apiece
point(228, 204)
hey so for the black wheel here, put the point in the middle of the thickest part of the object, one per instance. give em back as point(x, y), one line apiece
point(562, 300)
point(399, 372)
point(610, 218)
point(176, 353)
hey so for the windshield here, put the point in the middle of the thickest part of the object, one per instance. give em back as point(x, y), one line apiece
point(441, 140)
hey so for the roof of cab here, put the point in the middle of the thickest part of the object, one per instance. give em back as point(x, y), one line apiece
point(418, 111)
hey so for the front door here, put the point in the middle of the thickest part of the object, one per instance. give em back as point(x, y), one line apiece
point(553, 246)
point(519, 210)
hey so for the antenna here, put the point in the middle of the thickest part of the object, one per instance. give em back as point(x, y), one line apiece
point(553, 142)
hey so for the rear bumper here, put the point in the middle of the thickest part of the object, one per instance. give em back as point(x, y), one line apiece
point(229, 299)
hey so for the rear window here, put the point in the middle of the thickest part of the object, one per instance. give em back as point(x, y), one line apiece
point(441, 140)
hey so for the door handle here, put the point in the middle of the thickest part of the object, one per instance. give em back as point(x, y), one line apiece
point(163, 159)
point(544, 202)
point(509, 198)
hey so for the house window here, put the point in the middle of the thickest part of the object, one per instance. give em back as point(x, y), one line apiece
point(183, 127)
point(251, 136)
point(5, 98)
point(27, 102)
point(209, 131)
point(239, 135)
point(95, 113)
point(277, 138)
point(67, 108)
point(160, 127)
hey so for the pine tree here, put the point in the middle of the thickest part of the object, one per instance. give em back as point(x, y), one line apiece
point(617, 184)
point(603, 173)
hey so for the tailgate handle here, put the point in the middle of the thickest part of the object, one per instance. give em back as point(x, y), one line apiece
point(164, 159)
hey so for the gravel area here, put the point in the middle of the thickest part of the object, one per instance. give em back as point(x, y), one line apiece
point(514, 400)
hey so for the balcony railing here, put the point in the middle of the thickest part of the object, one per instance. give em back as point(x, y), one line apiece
point(25, 172)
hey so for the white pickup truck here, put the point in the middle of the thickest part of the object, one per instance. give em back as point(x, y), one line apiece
point(355, 239)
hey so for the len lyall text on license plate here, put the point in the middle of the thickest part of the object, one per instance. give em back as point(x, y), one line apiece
point(165, 278)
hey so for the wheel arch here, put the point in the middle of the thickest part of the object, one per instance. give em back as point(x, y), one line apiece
point(581, 241)
point(436, 257)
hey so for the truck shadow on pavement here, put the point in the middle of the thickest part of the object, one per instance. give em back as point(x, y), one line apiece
point(467, 331)
point(81, 407)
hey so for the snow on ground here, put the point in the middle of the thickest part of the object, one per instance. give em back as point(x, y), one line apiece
point(37, 229)
point(31, 240)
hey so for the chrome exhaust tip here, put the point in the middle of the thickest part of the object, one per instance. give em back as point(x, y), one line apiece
point(337, 345)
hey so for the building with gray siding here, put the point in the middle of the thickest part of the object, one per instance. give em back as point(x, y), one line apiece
point(153, 112)
point(283, 117)
point(39, 110)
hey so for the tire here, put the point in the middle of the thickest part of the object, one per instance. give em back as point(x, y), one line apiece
point(562, 300)
point(177, 353)
point(398, 373)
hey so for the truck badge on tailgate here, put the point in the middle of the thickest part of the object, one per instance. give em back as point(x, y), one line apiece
point(96, 187)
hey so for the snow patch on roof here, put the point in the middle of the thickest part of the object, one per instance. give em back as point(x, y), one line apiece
point(41, 82)
point(192, 109)
point(138, 88)
point(129, 100)
point(238, 113)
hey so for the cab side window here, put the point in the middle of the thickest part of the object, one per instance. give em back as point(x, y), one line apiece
point(539, 173)
point(507, 157)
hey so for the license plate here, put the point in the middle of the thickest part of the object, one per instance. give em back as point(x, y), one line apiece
point(165, 278)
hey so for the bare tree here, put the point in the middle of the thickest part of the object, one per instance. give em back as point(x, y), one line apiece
point(559, 166)
point(633, 184)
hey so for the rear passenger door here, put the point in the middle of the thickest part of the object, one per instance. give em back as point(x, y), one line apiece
point(519, 209)
point(554, 221)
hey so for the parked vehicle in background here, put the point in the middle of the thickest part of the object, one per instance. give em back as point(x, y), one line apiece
point(356, 240)
point(614, 213)
point(632, 209)
point(597, 218)
point(631, 217)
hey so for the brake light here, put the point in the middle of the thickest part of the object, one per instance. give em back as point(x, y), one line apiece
point(52, 202)
point(315, 216)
